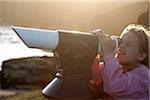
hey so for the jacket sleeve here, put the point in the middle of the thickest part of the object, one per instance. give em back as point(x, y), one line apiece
point(117, 83)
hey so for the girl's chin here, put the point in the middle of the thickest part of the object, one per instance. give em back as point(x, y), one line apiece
point(121, 60)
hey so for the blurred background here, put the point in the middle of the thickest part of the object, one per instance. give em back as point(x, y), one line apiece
point(82, 15)
point(20, 76)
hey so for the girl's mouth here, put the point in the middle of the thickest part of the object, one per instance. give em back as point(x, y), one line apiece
point(121, 52)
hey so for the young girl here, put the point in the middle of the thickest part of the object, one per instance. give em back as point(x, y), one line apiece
point(126, 74)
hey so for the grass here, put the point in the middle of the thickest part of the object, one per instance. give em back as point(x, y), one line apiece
point(30, 95)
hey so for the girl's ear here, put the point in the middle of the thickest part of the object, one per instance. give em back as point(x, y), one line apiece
point(141, 56)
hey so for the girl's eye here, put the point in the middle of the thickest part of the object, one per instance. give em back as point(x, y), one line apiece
point(123, 43)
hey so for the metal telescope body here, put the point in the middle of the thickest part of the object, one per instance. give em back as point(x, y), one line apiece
point(38, 38)
point(76, 50)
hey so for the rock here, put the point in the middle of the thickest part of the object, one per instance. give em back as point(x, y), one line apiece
point(27, 72)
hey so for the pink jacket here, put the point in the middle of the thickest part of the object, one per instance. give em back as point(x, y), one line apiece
point(132, 85)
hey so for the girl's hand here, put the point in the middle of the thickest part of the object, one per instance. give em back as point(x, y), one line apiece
point(108, 45)
point(99, 33)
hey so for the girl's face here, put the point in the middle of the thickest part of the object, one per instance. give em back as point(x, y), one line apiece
point(129, 51)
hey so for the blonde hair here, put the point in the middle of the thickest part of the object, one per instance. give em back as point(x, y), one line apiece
point(143, 34)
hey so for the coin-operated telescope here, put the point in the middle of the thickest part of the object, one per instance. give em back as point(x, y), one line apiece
point(74, 52)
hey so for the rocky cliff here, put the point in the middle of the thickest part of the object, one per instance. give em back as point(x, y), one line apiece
point(22, 73)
